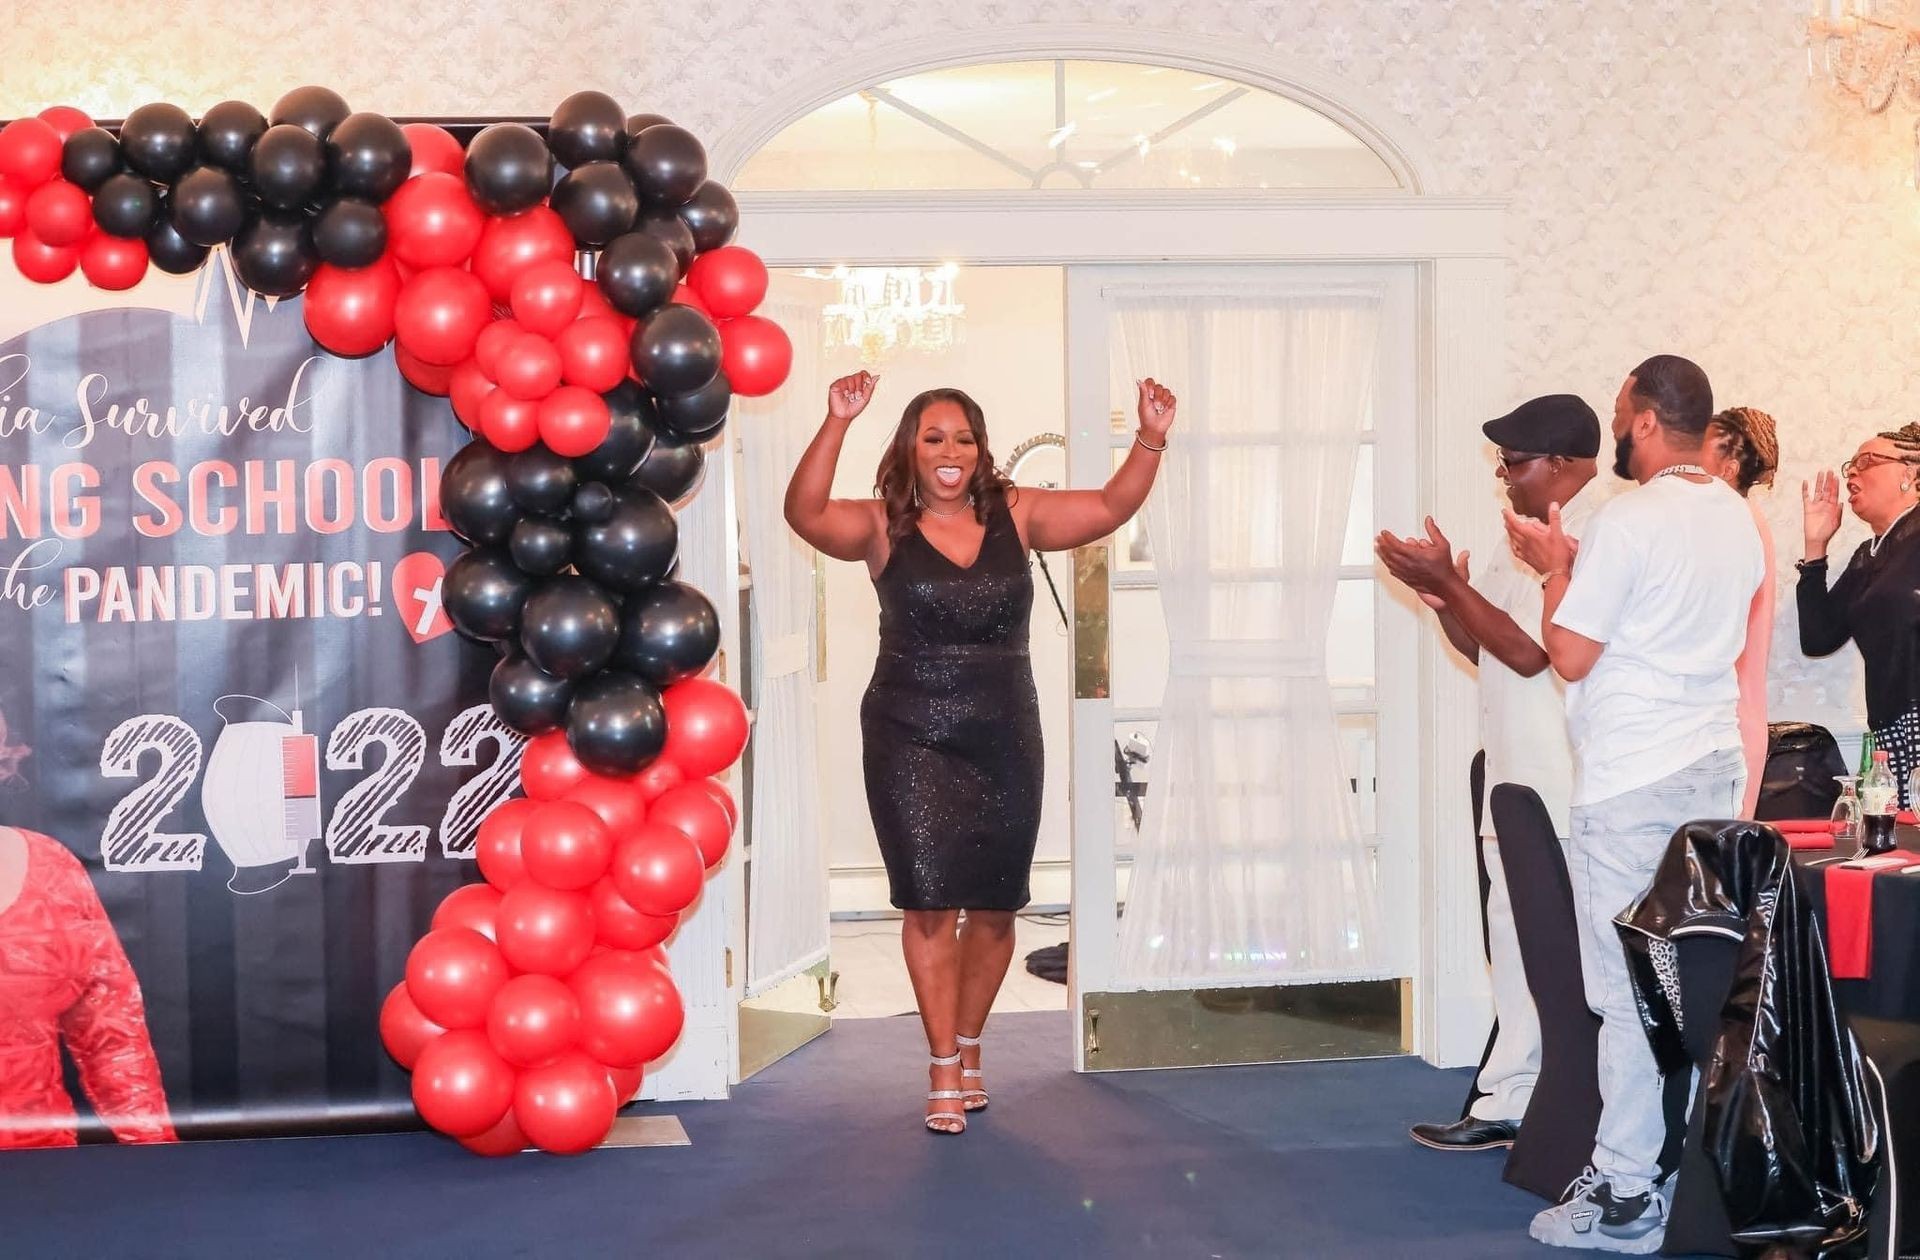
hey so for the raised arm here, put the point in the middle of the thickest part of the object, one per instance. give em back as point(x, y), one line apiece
point(1441, 578)
point(1824, 628)
point(845, 529)
point(1060, 520)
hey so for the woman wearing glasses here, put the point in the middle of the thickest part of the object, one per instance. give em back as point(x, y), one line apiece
point(1876, 602)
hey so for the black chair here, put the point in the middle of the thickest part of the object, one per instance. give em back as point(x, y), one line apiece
point(1477, 784)
point(1556, 1136)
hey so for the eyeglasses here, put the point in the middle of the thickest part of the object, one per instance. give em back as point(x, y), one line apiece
point(1872, 459)
point(1509, 461)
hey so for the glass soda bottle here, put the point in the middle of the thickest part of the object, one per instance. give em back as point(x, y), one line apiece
point(1879, 801)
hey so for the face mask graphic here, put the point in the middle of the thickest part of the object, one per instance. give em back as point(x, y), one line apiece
point(261, 796)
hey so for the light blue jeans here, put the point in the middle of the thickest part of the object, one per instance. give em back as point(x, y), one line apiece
point(1616, 846)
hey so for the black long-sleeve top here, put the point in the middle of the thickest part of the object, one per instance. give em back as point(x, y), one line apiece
point(1876, 603)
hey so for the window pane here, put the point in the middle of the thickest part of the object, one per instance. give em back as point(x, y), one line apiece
point(1358, 547)
point(1350, 644)
point(1139, 647)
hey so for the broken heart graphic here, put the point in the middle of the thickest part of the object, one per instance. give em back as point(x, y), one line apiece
point(416, 594)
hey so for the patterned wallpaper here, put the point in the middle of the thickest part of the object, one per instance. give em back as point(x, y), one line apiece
point(1677, 183)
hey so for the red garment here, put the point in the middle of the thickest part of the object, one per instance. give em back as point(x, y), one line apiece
point(64, 975)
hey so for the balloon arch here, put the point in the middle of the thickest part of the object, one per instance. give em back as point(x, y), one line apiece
point(591, 331)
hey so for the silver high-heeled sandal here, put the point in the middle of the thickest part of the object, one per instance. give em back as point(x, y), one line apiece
point(967, 1096)
point(945, 1095)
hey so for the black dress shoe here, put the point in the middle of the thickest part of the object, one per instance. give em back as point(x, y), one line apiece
point(1467, 1134)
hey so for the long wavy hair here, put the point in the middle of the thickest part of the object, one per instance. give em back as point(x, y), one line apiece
point(893, 481)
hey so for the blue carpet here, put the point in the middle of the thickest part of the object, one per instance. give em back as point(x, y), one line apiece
point(821, 1155)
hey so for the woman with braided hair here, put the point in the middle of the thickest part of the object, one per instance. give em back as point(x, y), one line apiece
point(1876, 602)
point(1743, 450)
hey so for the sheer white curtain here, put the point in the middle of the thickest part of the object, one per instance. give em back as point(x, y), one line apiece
point(787, 905)
point(1250, 868)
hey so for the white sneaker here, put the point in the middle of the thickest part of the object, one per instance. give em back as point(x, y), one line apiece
point(1596, 1219)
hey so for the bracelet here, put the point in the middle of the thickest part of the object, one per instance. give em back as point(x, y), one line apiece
point(1150, 446)
point(1816, 563)
point(1550, 575)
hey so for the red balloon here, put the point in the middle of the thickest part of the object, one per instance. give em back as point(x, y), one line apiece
point(43, 263)
point(469, 906)
point(501, 1140)
point(452, 976)
point(630, 1011)
point(60, 213)
point(706, 726)
point(30, 151)
point(755, 354)
point(617, 802)
point(718, 791)
point(658, 869)
point(626, 1083)
point(684, 295)
point(110, 262)
point(548, 768)
point(494, 339)
point(65, 120)
point(545, 930)
point(573, 421)
point(528, 367)
point(432, 221)
point(404, 1031)
point(509, 423)
point(657, 778)
point(428, 378)
point(533, 1019)
point(509, 246)
point(594, 353)
point(434, 149)
point(440, 314)
point(546, 296)
point(460, 1085)
point(566, 1106)
point(467, 389)
point(594, 304)
point(730, 280)
point(565, 845)
point(13, 206)
point(498, 845)
point(691, 810)
point(350, 310)
point(619, 926)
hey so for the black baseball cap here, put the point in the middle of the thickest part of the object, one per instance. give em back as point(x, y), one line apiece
point(1556, 424)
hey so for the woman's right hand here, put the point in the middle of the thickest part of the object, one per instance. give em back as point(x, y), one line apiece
point(1820, 512)
point(848, 396)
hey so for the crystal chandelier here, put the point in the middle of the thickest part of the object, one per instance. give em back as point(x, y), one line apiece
point(1865, 51)
point(884, 311)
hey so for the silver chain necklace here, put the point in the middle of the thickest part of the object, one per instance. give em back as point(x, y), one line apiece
point(967, 506)
point(1676, 469)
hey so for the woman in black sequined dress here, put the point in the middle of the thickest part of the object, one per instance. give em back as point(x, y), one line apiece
point(950, 723)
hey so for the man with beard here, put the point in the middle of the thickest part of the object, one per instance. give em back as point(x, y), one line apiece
point(1646, 627)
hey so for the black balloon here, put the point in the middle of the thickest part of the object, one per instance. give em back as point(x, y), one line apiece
point(89, 158)
point(482, 593)
point(667, 163)
point(671, 469)
point(527, 698)
point(637, 273)
point(633, 546)
point(667, 633)
point(593, 503)
point(711, 215)
point(587, 127)
point(158, 141)
point(616, 724)
point(569, 627)
point(666, 227)
point(637, 123)
point(596, 202)
point(508, 169)
point(207, 206)
point(350, 233)
point(630, 434)
point(676, 350)
point(474, 496)
point(273, 255)
point(228, 133)
point(288, 166)
point(124, 206)
point(170, 251)
point(315, 110)
point(698, 416)
point(540, 546)
point(368, 156)
point(541, 481)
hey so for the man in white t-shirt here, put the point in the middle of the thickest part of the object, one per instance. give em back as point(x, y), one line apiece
point(1646, 625)
point(1544, 453)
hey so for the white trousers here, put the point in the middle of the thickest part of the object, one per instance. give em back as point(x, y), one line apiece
point(1506, 1079)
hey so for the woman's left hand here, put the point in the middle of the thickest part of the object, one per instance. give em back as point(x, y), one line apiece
point(1157, 409)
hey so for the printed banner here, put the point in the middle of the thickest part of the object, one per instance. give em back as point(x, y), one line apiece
point(243, 755)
